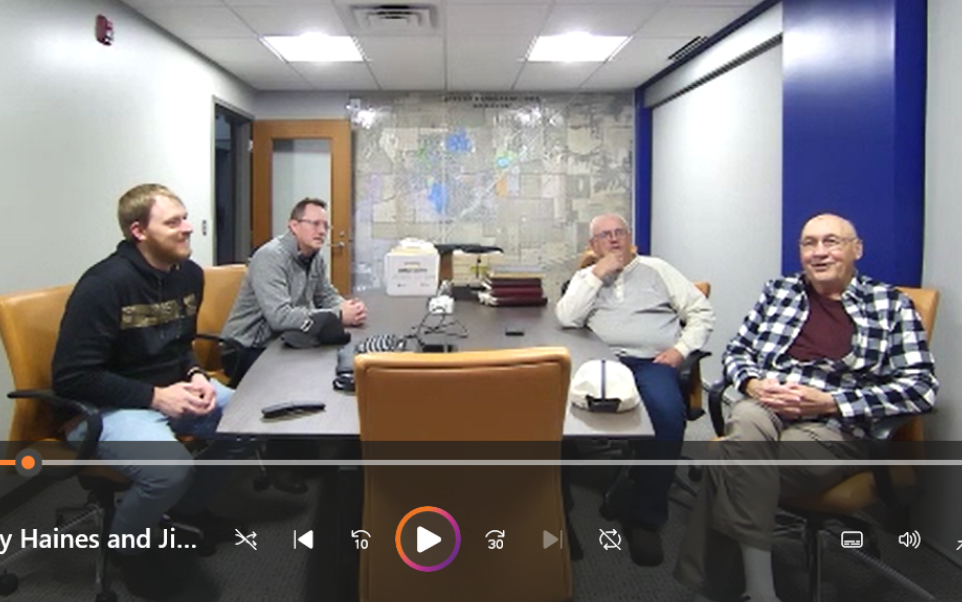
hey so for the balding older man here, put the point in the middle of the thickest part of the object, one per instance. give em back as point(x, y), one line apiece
point(652, 317)
point(823, 355)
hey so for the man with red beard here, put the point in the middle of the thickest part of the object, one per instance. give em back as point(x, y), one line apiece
point(125, 345)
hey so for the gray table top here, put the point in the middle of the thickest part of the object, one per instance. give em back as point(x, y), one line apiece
point(283, 374)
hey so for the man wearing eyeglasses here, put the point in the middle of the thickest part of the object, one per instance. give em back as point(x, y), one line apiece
point(286, 285)
point(653, 317)
point(822, 356)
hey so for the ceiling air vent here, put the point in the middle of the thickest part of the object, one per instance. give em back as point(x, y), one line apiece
point(690, 47)
point(395, 18)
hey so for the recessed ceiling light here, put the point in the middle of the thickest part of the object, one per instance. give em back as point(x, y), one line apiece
point(314, 48)
point(575, 47)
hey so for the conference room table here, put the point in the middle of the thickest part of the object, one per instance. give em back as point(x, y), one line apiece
point(283, 374)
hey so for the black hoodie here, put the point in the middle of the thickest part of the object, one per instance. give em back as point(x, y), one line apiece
point(127, 328)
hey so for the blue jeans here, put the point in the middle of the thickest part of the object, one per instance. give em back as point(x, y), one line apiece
point(145, 434)
point(661, 393)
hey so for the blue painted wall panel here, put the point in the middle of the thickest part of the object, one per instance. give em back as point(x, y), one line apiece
point(854, 126)
point(643, 143)
point(911, 40)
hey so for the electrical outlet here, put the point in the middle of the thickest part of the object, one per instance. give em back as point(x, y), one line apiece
point(203, 227)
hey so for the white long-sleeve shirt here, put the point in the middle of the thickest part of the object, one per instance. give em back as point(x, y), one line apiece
point(647, 308)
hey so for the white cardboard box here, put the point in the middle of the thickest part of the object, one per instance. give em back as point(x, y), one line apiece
point(411, 272)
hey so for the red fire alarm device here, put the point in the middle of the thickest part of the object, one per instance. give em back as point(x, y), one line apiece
point(105, 30)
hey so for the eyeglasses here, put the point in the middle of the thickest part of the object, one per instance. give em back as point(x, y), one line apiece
point(611, 234)
point(829, 243)
point(317, 223)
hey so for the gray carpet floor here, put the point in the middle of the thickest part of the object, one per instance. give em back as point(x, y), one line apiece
point(276, 571)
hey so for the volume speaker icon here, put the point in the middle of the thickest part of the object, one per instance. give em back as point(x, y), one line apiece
point(910, 539)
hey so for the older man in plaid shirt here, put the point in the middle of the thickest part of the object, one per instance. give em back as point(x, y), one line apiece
point(821, 356)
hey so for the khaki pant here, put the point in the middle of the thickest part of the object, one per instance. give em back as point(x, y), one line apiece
point(737, 504)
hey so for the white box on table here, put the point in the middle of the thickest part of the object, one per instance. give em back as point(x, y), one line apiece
point(412, 271)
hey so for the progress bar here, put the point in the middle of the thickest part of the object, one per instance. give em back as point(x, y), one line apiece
point(680, 462)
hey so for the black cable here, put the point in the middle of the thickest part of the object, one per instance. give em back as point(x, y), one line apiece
point(443, 327)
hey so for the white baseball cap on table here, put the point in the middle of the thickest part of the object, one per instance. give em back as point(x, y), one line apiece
point(604, 386)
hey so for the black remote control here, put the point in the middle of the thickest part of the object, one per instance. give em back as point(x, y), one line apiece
point(291, 407)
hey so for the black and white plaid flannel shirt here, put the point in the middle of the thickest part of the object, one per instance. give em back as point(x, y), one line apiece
point(889, 371)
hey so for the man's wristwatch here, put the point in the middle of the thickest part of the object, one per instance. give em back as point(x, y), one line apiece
point(197, 370)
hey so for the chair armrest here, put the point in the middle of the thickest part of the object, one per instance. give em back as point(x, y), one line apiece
point(686, 374)
point(90, 414)
point(881, 442)
point(205, 336)
point(716, 398)
point(885, 429)
point(687, 367)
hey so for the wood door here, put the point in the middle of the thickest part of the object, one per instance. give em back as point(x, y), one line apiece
point(338, 134)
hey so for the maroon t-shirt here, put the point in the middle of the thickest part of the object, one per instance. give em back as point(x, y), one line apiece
point(827, 333)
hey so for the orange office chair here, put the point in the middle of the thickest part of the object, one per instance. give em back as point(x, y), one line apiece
point(221, 284)
point(514, 395)
point(894, 487)
point(29, 324)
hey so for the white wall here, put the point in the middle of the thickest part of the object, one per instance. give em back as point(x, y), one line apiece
point(302, 105)
point(82, 123)
point(939, 519)
point(717, 189)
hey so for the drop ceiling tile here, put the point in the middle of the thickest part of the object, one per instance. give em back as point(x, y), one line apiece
point(401, 49)
point(337, 76)
point(235, 50)
point(198, 22)
point(293, 20)
point(138, 4)
point(276, 3)
point(268, 77)
point(680, 21)
point(720, 3)
point(604, 19)
point(640, 59)
point(482, 19)
point(495, 48)
point(611, 2)
point(406, 62)
point(483, 77)
point(554, 76)
point(484, 62)
point(602, 80)
point(497, 2)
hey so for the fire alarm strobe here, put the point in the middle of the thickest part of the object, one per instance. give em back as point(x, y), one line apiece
point(104, 30)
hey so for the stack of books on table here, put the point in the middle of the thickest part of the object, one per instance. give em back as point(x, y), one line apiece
point(470, 269)
point(513, 286)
